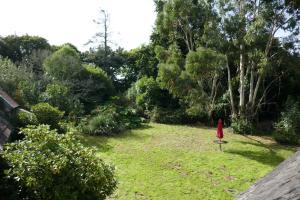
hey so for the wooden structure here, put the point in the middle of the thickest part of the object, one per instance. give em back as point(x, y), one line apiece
point(281, 184)
point(8, 108)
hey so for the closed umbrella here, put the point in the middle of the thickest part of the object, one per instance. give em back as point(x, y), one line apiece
point(220, 130)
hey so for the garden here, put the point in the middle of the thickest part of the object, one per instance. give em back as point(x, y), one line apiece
point(110, 123)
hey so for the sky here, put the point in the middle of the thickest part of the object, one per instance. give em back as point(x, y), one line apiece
point(62, 21)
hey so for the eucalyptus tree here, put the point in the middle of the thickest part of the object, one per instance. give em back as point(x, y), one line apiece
point(237, 36)
point(251, 28)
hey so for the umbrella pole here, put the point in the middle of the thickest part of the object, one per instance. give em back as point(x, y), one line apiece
point(220, 144)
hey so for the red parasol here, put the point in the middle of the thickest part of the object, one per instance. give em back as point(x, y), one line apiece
point(220, 130)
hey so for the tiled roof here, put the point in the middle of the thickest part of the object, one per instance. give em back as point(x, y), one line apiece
point(281, 183)
point(8, 99)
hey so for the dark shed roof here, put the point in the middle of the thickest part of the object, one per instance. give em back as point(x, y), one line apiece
point(281, 183)
point(8, 100)
point(5, 131)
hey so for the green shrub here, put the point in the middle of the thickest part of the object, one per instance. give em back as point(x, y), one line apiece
point(110, 119)
point(47, 114)
point(242, 126)
point(287, 128)
point(166, 116)
point(95, 86)
point(146, 93)
point(25, 118)
point(51, 166)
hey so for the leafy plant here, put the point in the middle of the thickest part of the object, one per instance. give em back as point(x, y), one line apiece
point(25, 118)
point(163, 115)
point(47, 114)
point(241, 126)
point(110, 119)
point(51, 166)
point(287, 128)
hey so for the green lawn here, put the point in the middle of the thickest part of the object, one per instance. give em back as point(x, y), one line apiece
point(172, 162)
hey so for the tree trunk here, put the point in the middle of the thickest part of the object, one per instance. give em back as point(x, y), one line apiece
point(233, 112)
point(242, 80)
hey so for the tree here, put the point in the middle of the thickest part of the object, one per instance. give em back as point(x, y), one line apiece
point(242, 34)
point(180, 22)
point(63, 64)
point(250, 28)
point(102, 37)
point(16, 48)
point(196, 80)
point(138, 62)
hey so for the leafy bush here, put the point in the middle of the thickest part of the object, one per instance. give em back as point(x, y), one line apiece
point(28, 91)
point(11, 75)
point(47, 114)
point(58, 94)
point(145, 92)
point(51, 166)
point(110, 119)
point(287, 128)
point(162, 115)
point(64, 64)
point(25, 118)
point(95, 86)
point(241, 126)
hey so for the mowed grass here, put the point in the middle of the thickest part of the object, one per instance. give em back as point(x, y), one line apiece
point(172, 162)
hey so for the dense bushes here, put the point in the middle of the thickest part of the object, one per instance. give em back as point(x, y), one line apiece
point(241, 126)
point(47, 165)
point(47, 114)
point(109, 120)
point(25, 118)
point(162, 115)
point(146, 93)
point(288, 126)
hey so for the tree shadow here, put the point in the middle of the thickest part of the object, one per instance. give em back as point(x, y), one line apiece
point(270, 146)
point(98, 142)
point(269, 157)
point(101, 142)
point(132, 134)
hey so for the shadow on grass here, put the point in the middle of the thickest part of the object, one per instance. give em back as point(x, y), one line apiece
point(98, 142)
point(269, 157)
point(132, 133)
point(101, 142)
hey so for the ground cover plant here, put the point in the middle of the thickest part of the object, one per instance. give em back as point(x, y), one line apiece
point(182, 162)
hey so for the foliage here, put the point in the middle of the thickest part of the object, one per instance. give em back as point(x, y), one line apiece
point(58, 95)
point(28, 91)
point(16, 48)
point(51, 166)
point(110, 61)
point(110, 119)
point(64, 64)
point(93, 86)
point(25, 118)
point(146, 93)
point(196, 82)
point(139, 62)
point(242, 126)
point(167, 116)
point(180, 22)
point(288, 126)
point(11, 75)
point(105, 123)
point(47, 114)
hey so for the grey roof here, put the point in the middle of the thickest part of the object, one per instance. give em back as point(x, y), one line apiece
point(282, 183)
point(12, 103)
point(5, 131)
